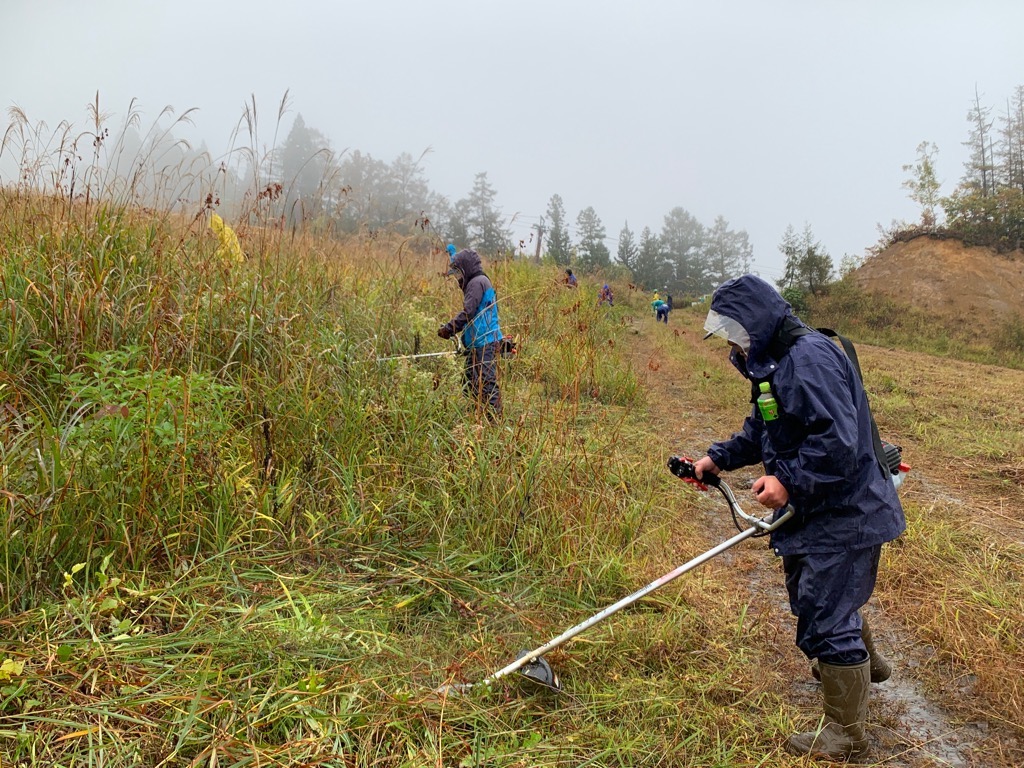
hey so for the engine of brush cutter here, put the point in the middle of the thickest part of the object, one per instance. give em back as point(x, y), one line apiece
point(894, 463)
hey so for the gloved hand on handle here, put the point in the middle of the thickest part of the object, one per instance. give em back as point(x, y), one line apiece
point(445, 331)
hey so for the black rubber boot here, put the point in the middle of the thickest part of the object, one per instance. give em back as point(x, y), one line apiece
point(841, 737)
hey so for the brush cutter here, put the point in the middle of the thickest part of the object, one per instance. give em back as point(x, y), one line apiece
point(533, 665)
point(449, 353)
point(507, 348)
point(459, 350)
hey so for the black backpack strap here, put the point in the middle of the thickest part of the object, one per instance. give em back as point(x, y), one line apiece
point(851, 353)
point(791, 330)
point(847, 347)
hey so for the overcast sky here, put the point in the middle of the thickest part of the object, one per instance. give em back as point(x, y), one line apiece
point(767, 112)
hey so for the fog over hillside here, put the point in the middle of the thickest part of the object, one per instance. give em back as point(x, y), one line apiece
point(766, 114)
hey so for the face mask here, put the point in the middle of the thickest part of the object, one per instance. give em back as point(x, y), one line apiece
point(739, 359)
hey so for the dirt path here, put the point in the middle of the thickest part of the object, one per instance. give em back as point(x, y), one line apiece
point(909, 729)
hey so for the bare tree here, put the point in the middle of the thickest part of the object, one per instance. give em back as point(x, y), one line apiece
point(1009, 151)
point(979, 170)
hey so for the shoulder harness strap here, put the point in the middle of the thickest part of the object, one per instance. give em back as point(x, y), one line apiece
point(851, 353)
point(790, 332)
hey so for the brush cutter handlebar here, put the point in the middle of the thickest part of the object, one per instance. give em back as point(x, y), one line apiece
point(682, 467)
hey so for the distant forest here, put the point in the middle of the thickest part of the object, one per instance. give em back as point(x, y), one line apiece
point(303, 184)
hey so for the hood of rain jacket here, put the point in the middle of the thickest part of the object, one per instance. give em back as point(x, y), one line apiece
point(466, 265)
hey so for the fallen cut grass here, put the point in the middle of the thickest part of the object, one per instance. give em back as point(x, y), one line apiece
point(266, 661)
point(959, 585)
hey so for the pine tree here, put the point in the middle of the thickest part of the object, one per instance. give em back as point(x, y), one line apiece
point(627, 252)
point(808, 265)
point(652, 268)
point(486, 227)
point(727, 253)
point(559, 243)
point(592, 250)
point(358, 201)
point(790, 248)
point(306, 165)
point(456, 227)
point(682, 241)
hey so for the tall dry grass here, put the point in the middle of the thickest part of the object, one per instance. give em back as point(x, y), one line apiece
point(232, 537)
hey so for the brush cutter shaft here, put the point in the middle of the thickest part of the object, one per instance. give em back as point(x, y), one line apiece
point(616, 607)
point(459, 349)
point(682, 468)
point(413, 357)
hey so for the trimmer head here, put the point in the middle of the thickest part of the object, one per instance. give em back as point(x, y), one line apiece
point(539, 671)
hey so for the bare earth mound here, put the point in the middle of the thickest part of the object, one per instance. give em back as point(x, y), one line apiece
point(947, 278)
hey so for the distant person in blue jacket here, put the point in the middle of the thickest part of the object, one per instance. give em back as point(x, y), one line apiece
point(661, 310)
point(818, 456)
point(481, 332)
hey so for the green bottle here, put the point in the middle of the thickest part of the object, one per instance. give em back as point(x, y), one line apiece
point(766, 403)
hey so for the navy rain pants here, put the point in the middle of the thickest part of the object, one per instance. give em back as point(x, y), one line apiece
point(482, 376)
point(826, 591)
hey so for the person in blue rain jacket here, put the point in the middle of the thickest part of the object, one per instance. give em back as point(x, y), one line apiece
point(818, 456)
point(481, 331)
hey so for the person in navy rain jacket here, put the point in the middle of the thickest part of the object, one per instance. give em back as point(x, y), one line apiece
point(481, 332)
point(818, 456)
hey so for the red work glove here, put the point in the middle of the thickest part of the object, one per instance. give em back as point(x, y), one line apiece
point(445, 331)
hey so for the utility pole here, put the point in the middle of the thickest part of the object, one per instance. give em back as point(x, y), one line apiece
point(539, 226)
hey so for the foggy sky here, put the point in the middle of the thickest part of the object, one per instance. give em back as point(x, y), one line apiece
point(769, 113)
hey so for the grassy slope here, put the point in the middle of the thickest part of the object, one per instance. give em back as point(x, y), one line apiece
point(229, 532)
point(231, 538)
point(876, 319)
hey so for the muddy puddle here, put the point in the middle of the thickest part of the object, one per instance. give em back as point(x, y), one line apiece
point(925, 734)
